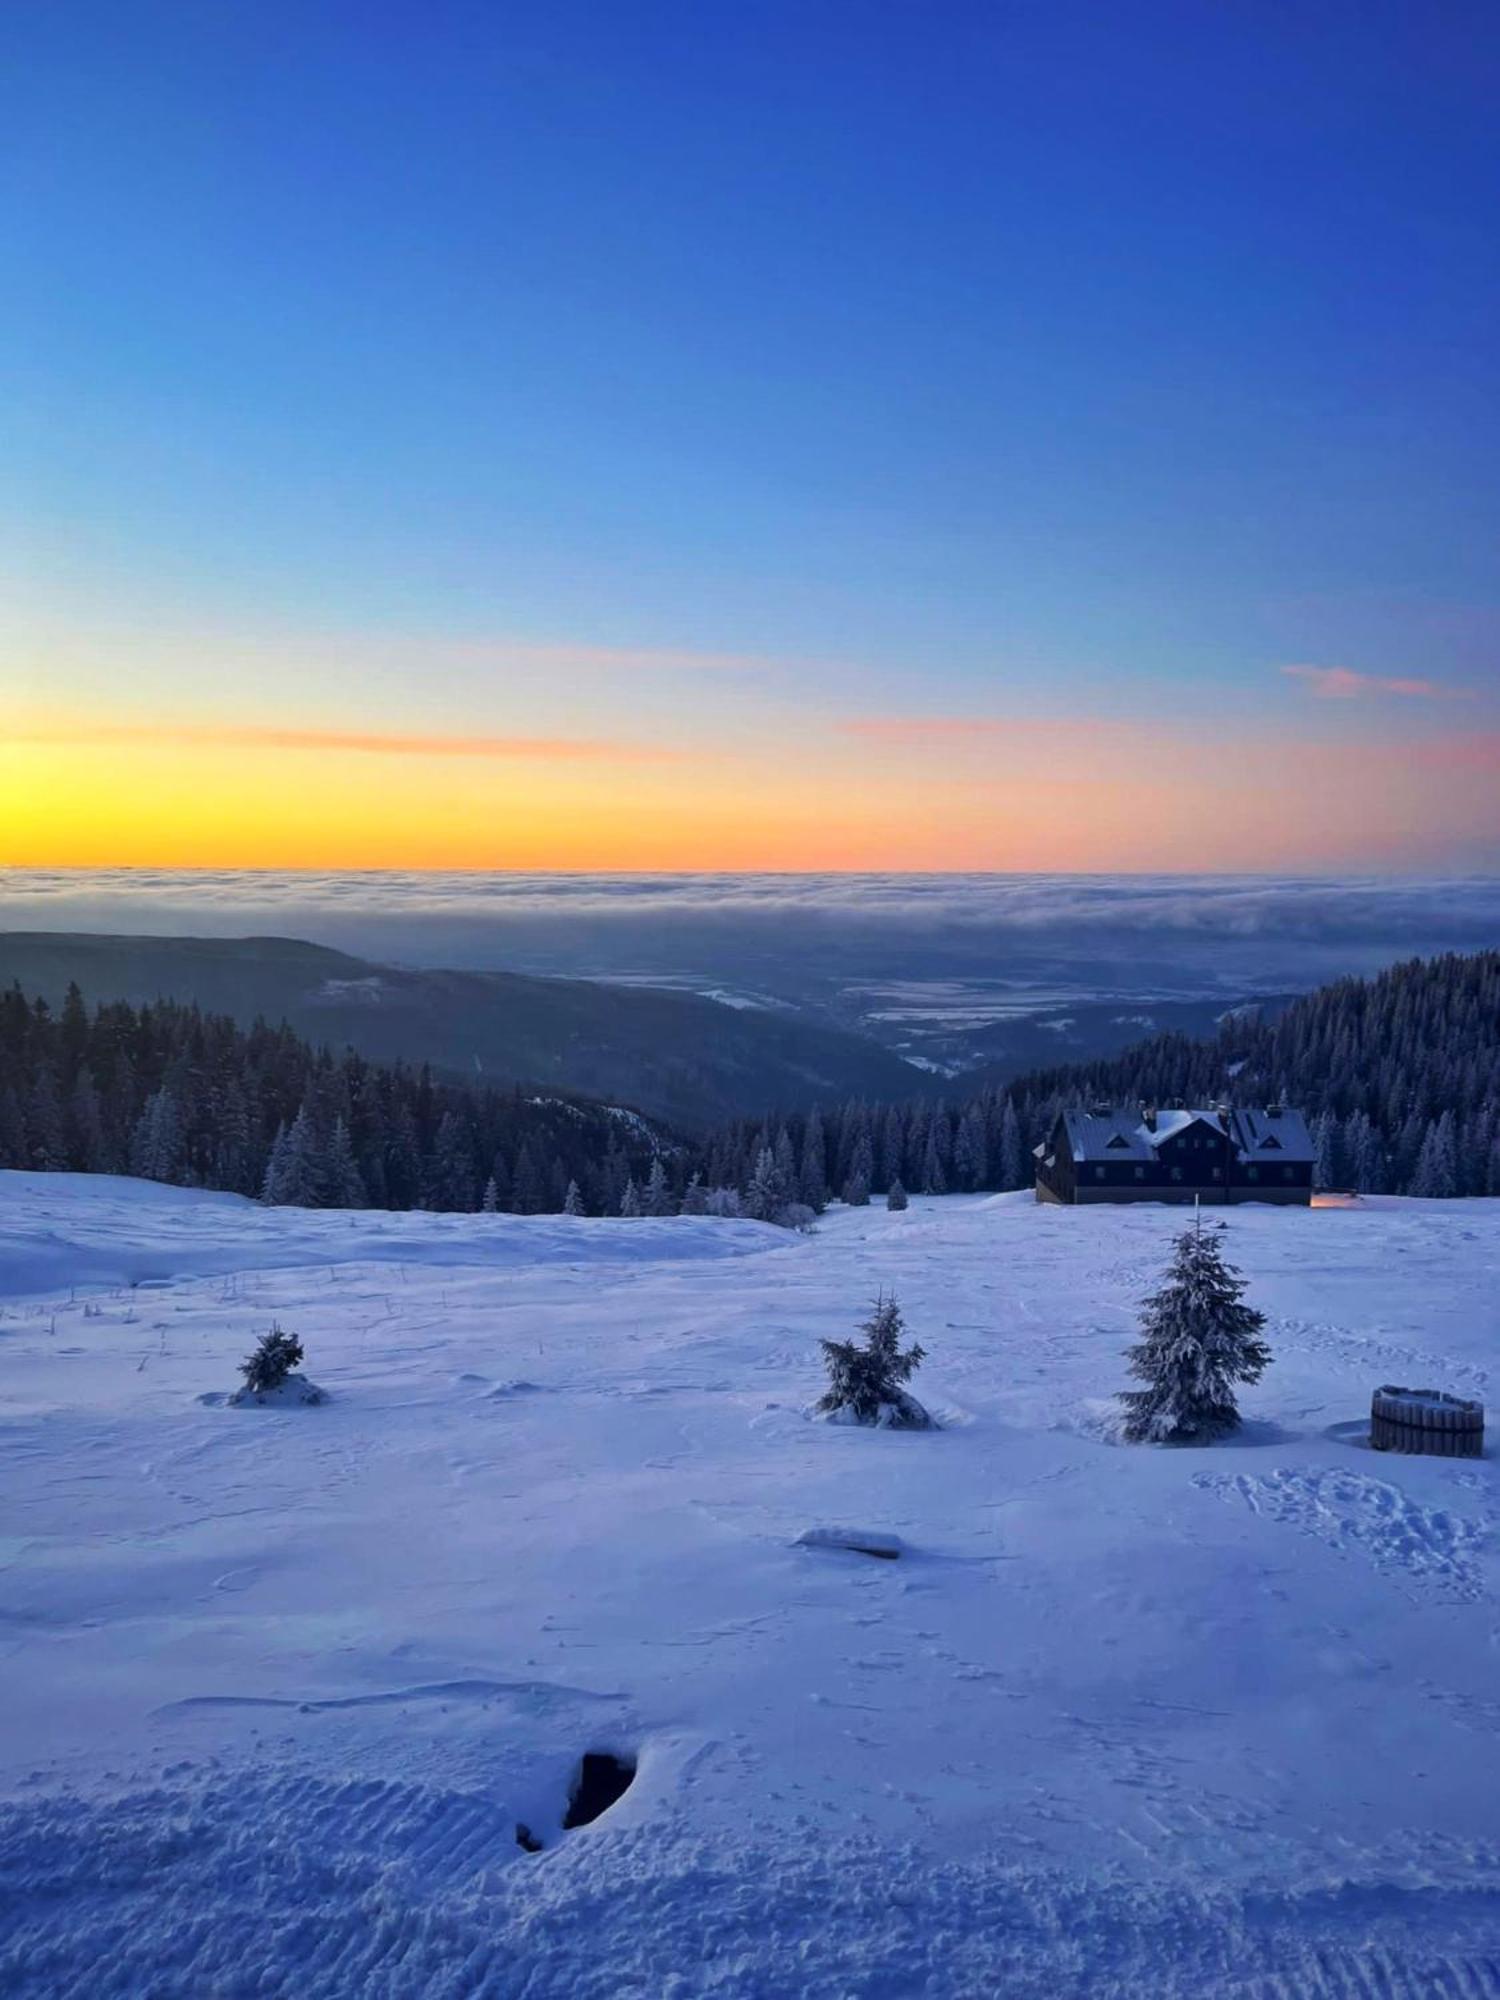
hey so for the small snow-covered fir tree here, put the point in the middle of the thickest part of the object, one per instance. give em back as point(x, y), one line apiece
point(573, 1200)
point(489, 1201)
point(275, 1356)
point(695, 1197)
point(343, 1184)
point(1436, 1172)
point(292, 1177)
point(865, 1380)
point(630, 1200)
point(896, 1196)
point(658, 1200)
point(766, 1191)
point(1198, 1340)
point(1015, 1167)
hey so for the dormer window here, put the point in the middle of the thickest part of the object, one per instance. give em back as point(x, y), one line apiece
point(1270, 1142)
point(1118, 1144)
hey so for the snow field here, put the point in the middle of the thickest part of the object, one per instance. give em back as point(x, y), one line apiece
point(280, 1683)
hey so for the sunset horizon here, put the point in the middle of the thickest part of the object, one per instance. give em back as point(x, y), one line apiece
point(968, 444)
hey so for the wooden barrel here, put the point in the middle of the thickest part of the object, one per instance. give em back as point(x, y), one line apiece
point(1426, 1420)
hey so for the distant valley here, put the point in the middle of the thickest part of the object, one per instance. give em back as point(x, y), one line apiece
point(677, 1056)
point(691, 1053)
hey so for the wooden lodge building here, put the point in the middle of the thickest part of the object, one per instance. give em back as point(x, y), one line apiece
point(1110, 1153)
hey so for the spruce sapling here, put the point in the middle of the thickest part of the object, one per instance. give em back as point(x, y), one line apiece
point(275, 1357)
point(865, 1381)
point(1198, 1340)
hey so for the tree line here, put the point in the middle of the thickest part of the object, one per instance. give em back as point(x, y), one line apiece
point(169, 1093)
point(1400, 1075)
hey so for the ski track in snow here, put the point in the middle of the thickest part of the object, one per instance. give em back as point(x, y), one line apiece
point(280, 1685)
point(281, 1884)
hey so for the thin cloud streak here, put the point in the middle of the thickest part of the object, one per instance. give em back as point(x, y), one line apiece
point(543, 749)
point(918, 729)
point(1345, 684)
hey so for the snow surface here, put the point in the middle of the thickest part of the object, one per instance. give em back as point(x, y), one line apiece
point(276, 1692)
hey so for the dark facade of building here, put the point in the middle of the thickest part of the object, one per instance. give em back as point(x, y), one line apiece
point(1182, 1154)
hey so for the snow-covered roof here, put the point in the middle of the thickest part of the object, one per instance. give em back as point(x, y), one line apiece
point(1106, 1134)
point(1168, 1122)
point(1273, 1135)
point(1120, 1132)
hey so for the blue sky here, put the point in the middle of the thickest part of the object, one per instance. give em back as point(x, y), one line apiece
point(1035, 361)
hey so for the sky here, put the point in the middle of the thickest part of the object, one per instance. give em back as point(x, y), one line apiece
point(1018, 437)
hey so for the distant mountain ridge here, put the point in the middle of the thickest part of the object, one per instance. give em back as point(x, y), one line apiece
point(687, 1060)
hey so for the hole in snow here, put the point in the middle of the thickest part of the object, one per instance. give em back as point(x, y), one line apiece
point(602, 1778)
point(526, 1839)
point(863, 1541)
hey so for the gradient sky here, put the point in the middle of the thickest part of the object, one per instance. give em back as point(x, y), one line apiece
point(819, 435)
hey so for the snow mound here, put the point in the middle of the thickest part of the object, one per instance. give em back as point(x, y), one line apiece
point(293, 1390)
point(902, 1413)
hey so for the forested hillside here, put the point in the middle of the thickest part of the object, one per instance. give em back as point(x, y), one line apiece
point(1400, 1075)
point(675, 1056)
point(173, 1094)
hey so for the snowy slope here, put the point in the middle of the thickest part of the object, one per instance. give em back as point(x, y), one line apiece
point(279, 1684)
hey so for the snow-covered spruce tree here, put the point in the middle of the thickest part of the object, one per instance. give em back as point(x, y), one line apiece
point(658, 1200)
point(275, 1356)
point(813, 1180)
point(895, 1196)
point(695, 1197)
point(630, 1200)
point(573, 1200)
point(1198, 1340)
point(766, 1191)
point(343, 1184)
point(865, 1380)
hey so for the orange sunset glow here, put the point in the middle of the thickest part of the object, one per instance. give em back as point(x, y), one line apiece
point(873, 793)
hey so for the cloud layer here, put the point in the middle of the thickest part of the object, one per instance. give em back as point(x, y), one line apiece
point(230, 736)
point(1345, 684)
point(1420, 912)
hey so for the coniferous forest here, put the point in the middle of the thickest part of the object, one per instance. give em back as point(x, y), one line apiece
point(172, 1094)
point(1399, 1075)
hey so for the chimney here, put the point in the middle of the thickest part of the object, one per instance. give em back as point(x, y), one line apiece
point(1148, 1117)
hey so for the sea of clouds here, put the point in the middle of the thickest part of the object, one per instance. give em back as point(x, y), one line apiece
point(807, 938)
point(1461, 911)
